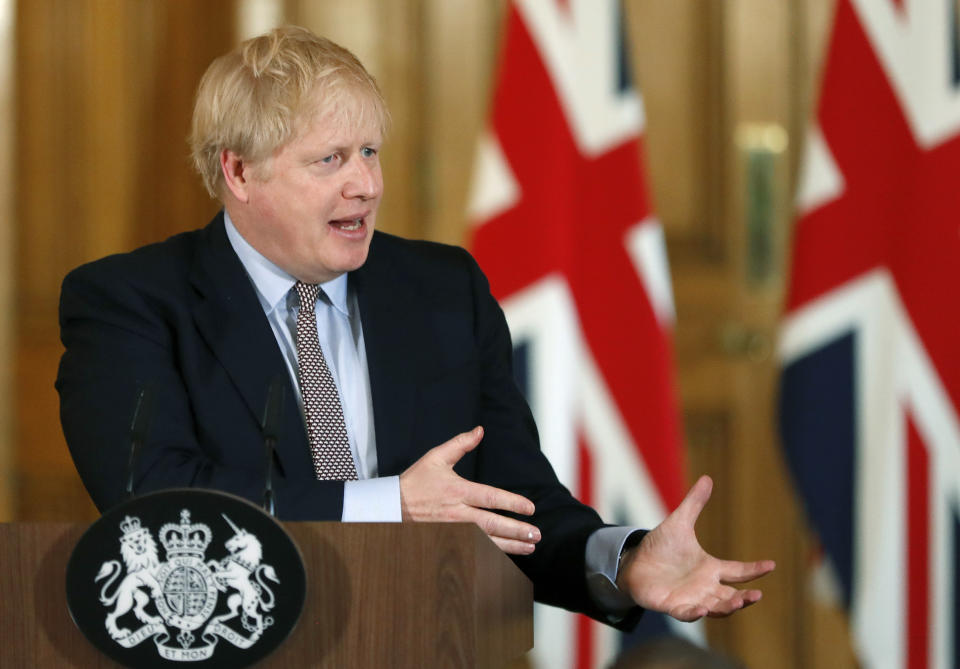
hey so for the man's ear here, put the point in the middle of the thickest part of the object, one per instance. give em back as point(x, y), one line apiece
point(235, 174)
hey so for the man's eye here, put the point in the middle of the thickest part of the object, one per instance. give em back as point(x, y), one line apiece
point(368, 152)
point(327, 160)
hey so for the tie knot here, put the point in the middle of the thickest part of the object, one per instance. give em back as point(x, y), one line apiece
point(308, 293)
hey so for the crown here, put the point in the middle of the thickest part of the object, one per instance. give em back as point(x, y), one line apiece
point(130, 525)
point(185, 539)
point(132, 530)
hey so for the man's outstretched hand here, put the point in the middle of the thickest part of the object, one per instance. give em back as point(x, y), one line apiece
point(669, 572)
point(431, 491)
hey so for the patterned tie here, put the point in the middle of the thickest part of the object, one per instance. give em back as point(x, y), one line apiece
point(326, 429)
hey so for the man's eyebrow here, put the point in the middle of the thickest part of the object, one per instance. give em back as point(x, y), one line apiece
point(323, 150)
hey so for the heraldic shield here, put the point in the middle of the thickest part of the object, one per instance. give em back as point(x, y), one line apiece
point(142, 588)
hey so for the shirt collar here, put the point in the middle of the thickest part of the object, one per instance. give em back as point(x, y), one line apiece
point(272, 283)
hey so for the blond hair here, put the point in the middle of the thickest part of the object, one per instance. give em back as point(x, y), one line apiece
point(254, 99)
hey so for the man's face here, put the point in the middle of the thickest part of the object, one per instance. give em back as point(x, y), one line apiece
point(312, 206)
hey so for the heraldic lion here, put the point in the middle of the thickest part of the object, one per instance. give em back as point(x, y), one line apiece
point(140, 556)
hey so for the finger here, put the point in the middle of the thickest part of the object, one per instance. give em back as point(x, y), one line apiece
point(725, 608)
point(452, 450)
point(513, 547)
point(688, 614)
point(487, 497)
point(691, 506)
point(495, 525)
point(741, 600)
point(741, 572)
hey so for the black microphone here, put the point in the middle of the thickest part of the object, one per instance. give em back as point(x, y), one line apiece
point(271, 433)
point(139, 427)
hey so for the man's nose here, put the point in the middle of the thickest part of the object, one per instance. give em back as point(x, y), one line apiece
point(363, 181)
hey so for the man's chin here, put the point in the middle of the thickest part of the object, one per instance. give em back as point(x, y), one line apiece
point(350, 262)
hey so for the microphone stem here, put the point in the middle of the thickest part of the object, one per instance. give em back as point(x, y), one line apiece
point(134, 449)
point(268, 497)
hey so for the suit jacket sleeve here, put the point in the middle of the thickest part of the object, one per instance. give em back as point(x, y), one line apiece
point(511, 458)
point(440, 364)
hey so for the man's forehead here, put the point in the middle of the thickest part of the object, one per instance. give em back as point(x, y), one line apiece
point(343, 110)
point(341, 129)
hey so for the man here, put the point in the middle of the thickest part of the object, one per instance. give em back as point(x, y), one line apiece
point(396, 353)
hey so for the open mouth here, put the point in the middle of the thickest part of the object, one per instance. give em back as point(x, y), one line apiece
point(349, 224)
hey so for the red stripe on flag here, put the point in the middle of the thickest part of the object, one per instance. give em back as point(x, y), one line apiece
point(585, 626)
point(584, 648)
point(918, 550)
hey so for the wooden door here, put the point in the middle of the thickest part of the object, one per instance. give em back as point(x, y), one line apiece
point(728, 86)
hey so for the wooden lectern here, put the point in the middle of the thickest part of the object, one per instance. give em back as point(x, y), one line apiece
point(379, 595)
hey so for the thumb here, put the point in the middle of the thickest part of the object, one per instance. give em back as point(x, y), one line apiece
point(451, 451)
point(691, 506)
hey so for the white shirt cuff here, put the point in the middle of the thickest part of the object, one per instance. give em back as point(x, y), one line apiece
point(602, 558)
point(374, 500)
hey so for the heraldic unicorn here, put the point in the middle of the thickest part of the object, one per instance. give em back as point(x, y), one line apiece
point(184, 589)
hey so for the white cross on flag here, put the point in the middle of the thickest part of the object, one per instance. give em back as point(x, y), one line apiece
point(871, 338)
point(566, 234)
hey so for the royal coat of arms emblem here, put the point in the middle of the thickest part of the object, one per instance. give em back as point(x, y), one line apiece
point(185, 589)
point(163, 587)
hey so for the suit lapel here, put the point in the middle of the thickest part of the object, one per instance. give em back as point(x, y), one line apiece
point(388, 312)
point(231, 320)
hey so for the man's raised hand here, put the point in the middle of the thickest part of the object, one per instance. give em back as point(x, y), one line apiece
point(669, 572)
point(431, 491)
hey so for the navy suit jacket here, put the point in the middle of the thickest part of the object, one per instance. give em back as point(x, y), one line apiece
point(183, 316)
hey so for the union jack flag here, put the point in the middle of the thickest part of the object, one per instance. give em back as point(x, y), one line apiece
point(871, 339)
point(566, 234)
